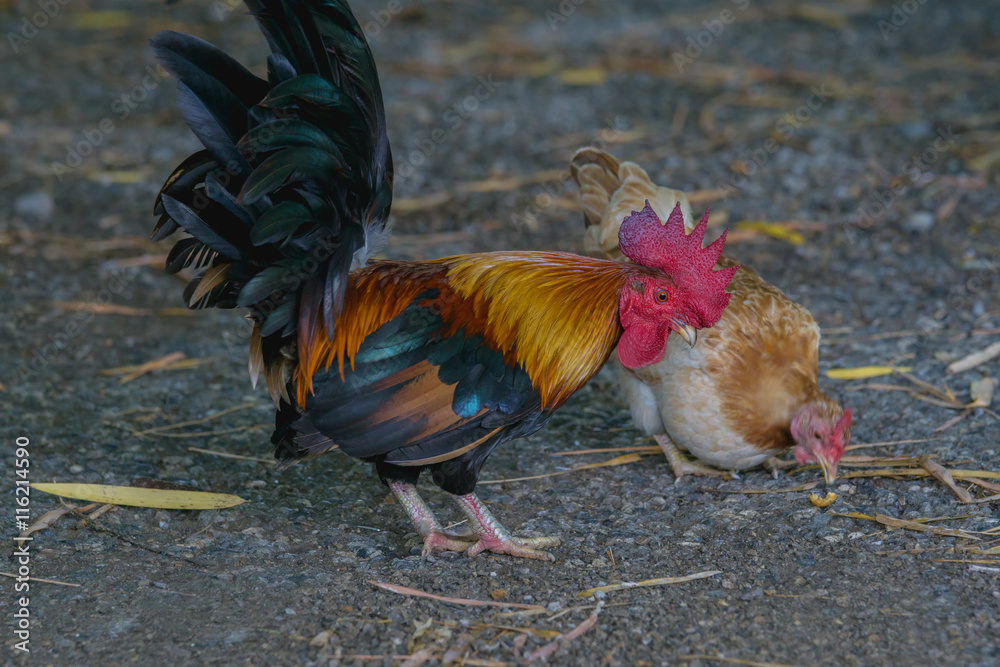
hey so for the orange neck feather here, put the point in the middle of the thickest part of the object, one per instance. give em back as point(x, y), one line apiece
point(554, 314)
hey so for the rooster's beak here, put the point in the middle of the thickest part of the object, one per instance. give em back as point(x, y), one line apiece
point(829, 468)
point(685, 331)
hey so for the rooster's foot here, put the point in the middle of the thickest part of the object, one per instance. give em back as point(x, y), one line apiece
point(439, 541)
point(494, 537)
point(436, 539)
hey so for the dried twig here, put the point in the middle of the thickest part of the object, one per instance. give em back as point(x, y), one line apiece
point(617, 461)
point(39, 579)
point(115, 309)
point(734, 661)
point(975, 359)
point(194, 422)
point(227, 455)
point(45, 521)
point(918, 526)
point(175, 361)
point(808, 486)
point(404, 590)
point(553, 646)
point(942, 475)
point(887, 443)
point(663, 581)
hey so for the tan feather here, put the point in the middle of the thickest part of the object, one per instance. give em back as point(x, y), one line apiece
point(256, 355)
point(212, 278)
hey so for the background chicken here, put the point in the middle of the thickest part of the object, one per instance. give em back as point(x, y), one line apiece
point(749, 389)
point(410, 365)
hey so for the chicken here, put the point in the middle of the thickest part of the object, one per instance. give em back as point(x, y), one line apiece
point(409, 365)
point(749, 389)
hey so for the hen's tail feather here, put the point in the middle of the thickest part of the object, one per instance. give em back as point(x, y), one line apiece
point(596, 172)
point(610, 190)
point(294, 185)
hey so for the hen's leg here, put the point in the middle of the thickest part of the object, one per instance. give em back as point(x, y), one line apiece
point(435, 537)
point(680, 464)
point(774, 464)
point(494, 537)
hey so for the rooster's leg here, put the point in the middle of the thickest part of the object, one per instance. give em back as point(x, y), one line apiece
point(435, 537)
point(680, 464)
point(494, 537)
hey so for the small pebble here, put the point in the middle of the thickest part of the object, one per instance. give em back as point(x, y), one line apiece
point(920, 221)
point(39, 205)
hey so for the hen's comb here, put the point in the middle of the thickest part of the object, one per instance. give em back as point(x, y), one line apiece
point(842, 429)
point(645, 240)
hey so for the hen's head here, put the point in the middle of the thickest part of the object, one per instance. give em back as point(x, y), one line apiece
point(821, 432)
point(680, 291)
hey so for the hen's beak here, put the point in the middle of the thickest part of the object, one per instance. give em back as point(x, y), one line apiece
point(685, 331)
point(829, 468)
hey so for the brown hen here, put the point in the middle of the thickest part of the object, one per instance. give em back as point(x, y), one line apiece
point(748, 390)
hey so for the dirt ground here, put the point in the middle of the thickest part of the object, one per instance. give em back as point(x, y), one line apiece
point(866, 133)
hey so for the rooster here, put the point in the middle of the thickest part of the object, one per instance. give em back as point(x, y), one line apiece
point(409, 365)
point(749, 389)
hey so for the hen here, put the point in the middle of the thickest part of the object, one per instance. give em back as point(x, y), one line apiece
point(409, 365)
point(749, 389)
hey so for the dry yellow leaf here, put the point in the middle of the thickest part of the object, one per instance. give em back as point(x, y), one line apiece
point(120, 177)
point(864, 372)
point(101, 20)
point(587, 76)
point(772, 229)
point(137, 497)
point(984, 161)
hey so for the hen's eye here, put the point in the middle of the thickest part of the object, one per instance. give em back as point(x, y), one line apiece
point(661, 296)
point(817, 435)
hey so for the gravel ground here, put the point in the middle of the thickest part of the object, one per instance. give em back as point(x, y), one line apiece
point(874, 127)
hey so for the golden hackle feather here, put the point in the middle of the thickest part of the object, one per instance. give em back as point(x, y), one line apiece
point(555, 315)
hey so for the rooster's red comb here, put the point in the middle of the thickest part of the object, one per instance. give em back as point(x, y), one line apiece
point(647, 241)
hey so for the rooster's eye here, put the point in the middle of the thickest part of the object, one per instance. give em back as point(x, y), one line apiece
point(817, 435)
point(661, 295)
